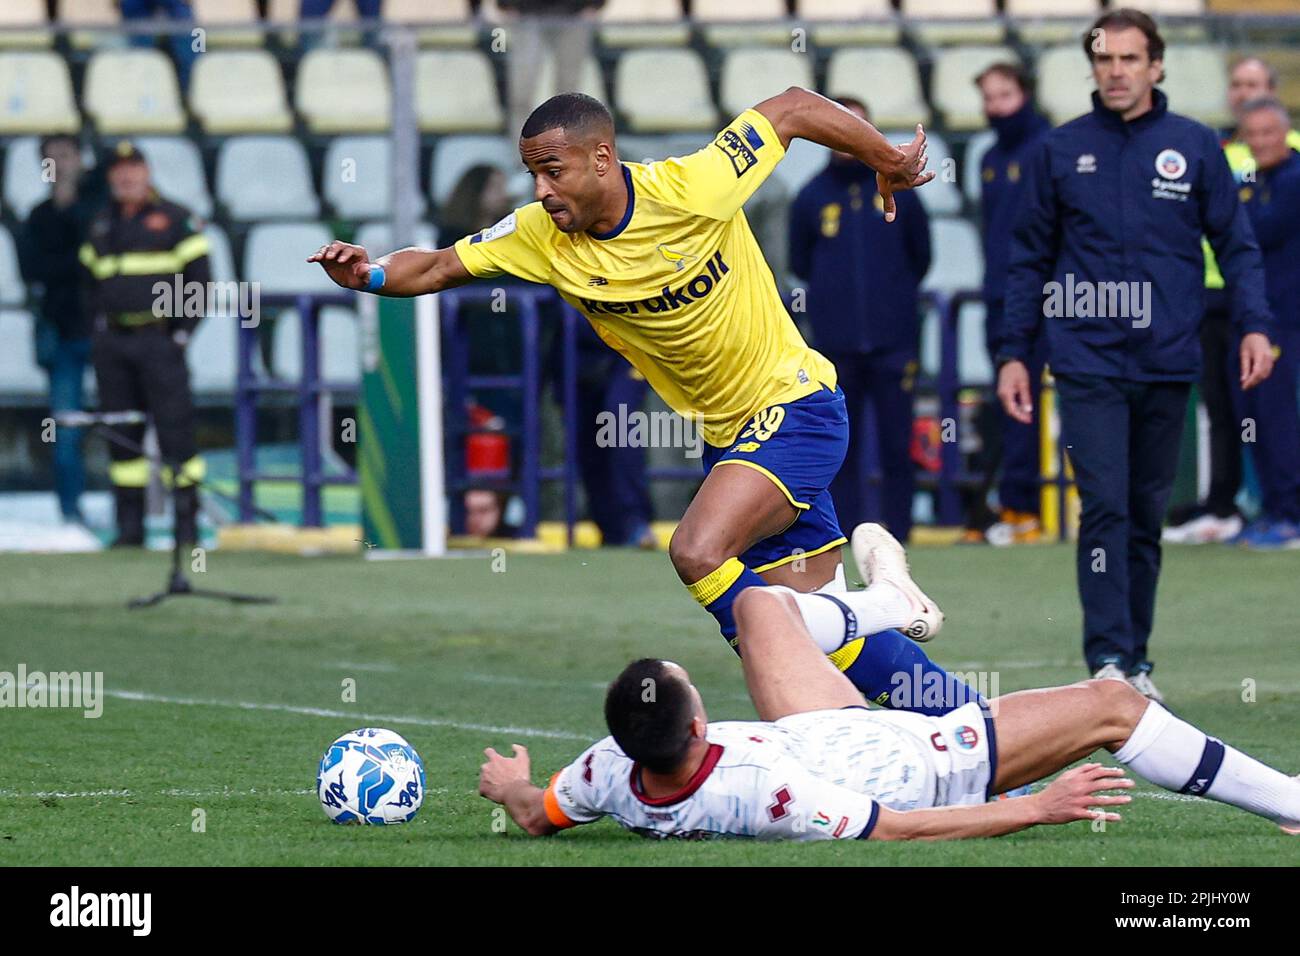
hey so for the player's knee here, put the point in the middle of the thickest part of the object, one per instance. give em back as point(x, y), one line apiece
point(694, 555)
point(755, 604)
point(1120, 704)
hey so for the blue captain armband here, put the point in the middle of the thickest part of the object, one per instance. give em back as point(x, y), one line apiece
point(377, 278)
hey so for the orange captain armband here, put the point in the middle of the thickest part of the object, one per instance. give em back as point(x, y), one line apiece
point(552, 805)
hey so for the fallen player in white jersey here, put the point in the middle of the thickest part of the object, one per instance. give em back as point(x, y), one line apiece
point(820, 765)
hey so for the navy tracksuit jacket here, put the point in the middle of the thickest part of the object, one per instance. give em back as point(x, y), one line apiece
point(863, 280)
point(1106, 259)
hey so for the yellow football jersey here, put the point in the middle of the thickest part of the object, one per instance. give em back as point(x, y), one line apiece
point(680, 286)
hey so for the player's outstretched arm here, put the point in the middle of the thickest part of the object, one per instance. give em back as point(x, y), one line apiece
point(404, 273)
point(1071, 796)
point(508, 781)
point(802, 114)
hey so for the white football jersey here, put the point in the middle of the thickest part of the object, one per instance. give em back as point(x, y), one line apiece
point(818, 775)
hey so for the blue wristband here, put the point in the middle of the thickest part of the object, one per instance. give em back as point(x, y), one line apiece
point(377, 279)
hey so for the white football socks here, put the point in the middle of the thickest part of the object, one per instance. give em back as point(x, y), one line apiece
point(1175, 755)
point(875, 609)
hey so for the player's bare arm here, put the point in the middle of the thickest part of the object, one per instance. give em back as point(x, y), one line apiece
point(802, 114)
point(1074, 795)
point(507, 781)
point(406, 272)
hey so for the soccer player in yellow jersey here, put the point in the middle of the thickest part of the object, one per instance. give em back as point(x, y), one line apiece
point(660, 259)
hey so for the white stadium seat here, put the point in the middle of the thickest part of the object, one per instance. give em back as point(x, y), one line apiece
point(1064, 82)
point(356, 178)
point(24, 23)
point(213, 355)
point(590, 82)
point(377, 237)
point(803, 160)
point(885, 79)
point(95, 21)
point(973, 365)
point(340, 91)
point(340, 356)
point(643, 23)
point(1196, 80)
point(456, 91)
point(177, 171)
point(220, 20)
point(958, 258)
point(941, 196)
point(971, 183)
point(275, 256)
point(36, 94)
point(1052, 21)
point(952, 85)
point(454, 155)
point(12, 289)
point(239, 91)
point(954, 21)
point(265, 177)
point(220, 259)
point(727, 23)
point(19, 373)
point(752, 75)
point(24, 183)
point(445, 23)
point(841, 22)
point(685, 104)
point(133, 91)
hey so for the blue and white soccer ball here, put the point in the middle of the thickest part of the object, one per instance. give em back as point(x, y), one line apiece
point(371, 776)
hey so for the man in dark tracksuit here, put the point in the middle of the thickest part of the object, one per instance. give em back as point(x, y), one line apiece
point(864, 277)
point(1273, 204)
point(137, 252)
point(1019, 128)
point(1107, 250)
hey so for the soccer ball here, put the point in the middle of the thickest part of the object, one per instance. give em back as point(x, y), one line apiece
point(372, 776)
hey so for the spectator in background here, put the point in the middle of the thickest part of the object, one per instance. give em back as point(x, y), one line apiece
point(1216, 518)
point(318, 9)
point(51, 241)
point(864, 277)
point(562, 27)
point(1272, 201)
point(182, 43)
point(1019, 128)
point(485, 514)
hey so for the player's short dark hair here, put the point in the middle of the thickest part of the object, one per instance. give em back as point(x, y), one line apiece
point(1121, 19)
point(648, 709)
point(1008, 70)
point(569, 111)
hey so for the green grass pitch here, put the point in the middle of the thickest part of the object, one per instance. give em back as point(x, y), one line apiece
point(227, 709)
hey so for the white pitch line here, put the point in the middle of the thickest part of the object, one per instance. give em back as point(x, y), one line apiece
point(362, 718)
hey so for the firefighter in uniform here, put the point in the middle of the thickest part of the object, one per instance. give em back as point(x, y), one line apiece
point(141, 250)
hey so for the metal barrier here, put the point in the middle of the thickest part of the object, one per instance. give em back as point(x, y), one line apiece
point(531, 303)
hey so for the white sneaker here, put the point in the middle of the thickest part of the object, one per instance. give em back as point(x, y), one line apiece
point(1109, 672)
point(1144, 685)
point(879, 557)
point(1207, 529)
point(1291, 829)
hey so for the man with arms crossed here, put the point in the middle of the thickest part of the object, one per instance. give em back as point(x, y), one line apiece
point(819, 765)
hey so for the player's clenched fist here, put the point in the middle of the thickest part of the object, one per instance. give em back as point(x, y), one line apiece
point(346, 264)
point(1074, 794)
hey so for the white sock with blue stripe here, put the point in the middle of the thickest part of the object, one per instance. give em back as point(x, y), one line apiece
point(1173, 754)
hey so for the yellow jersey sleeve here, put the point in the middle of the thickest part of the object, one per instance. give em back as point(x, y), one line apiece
point(518, 245)
point(715, 181)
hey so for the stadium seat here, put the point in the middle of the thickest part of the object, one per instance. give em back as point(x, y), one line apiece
point(340, 91)
point(1064, 82)
point(447, 23)
point(958, 258)
point(133, 91)
point(1051, 21)
point(639, 91)
point(750, 76)
point(177, 170)
point(938, 22)
point(377, 237)
point(1175, 8)
point(220, 258)
point(453, 155)
point(971, 183)
point(803, 160)
point(24, 187)
point(265, 177)
point(727, 23)
point(356, 178)
point(23, 23)
point(884, 78)
point(339, 341)
point(221, 19)
point(239, 92)
point(456, 91)
point(12, 289)
point(952, 85)
point(842, 22)
point(95, 21)
point(973, 365)
point(1196, 81)
point(643, 23)
point(19, 373)
point(639, 149)
point(275, 256)
point(592, 82)
point(941, 196)
point(213, 356)
point(36, 94)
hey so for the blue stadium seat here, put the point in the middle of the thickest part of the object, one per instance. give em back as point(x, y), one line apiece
point(177, 171)
point(357, 177)
point(453, 155)
point(265, 177)
point(20, 376)
point(12, 289)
